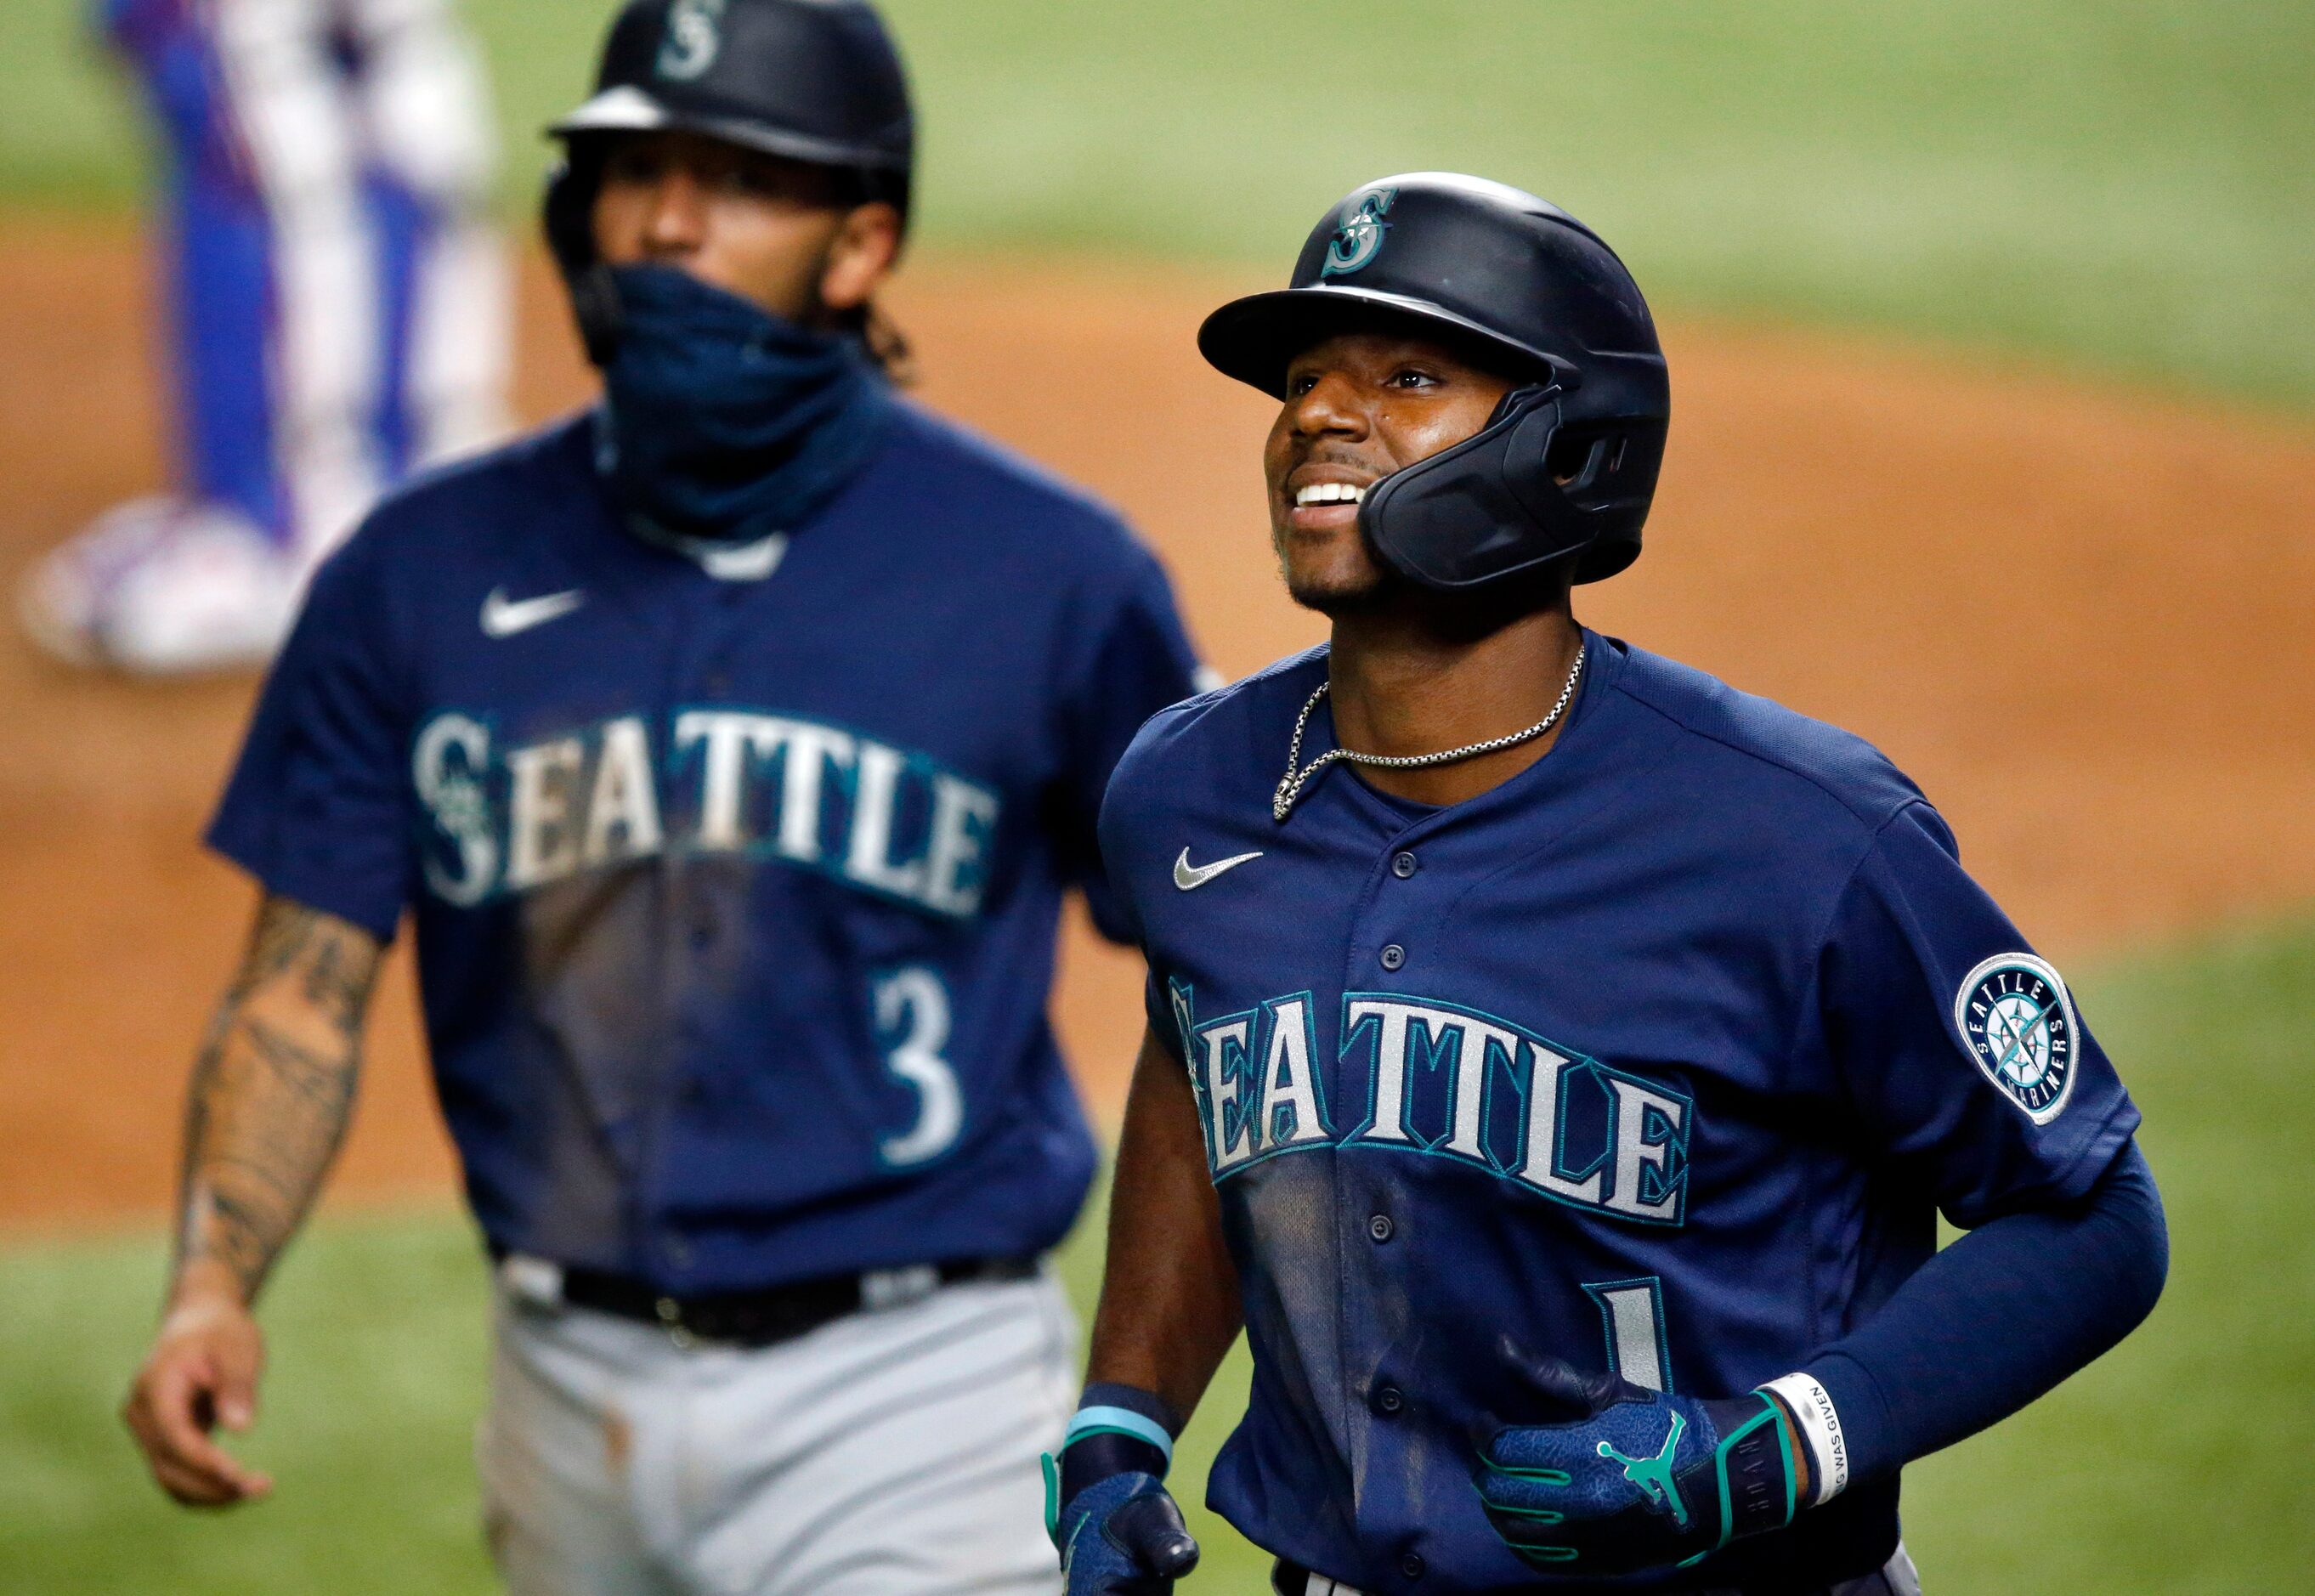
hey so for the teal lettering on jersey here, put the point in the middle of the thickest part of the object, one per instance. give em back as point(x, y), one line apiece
point(1441, 1080)
point(885, 820)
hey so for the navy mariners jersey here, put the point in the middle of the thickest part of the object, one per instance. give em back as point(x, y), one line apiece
point(735, 894)
point(1660, 1057)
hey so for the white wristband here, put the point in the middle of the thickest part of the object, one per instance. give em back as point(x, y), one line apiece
point(1820, 1426)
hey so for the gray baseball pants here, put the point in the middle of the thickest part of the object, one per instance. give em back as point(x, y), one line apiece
point(893, 1452)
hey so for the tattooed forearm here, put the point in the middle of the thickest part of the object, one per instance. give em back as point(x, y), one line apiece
point(273, 1090)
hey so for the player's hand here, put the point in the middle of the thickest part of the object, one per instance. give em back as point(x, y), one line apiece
point(1617, 1478)
point(202, 1373)
point(1122, 1536)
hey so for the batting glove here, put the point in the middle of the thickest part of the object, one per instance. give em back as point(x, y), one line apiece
point(1106, 1507)
point(1624, 1478)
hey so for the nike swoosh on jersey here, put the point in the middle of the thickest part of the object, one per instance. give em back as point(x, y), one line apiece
point(1190, 877)
point(503, 617)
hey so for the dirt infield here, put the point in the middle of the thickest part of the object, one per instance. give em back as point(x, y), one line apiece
point(2083, 622)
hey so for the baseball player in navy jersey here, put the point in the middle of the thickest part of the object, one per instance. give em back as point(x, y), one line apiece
point(1557, 1059)
point(731, 747)
point(336, 312)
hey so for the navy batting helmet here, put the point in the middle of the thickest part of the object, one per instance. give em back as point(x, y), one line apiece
point(817, 81)
point(1568, 464)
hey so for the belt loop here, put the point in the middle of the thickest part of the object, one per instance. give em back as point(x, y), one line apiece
point(536, 1282)
point(880, 1289)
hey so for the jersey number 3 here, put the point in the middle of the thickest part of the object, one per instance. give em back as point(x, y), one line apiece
point(912, 1025)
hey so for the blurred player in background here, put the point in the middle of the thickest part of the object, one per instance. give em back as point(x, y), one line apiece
point(732, 745)
point(337, 312)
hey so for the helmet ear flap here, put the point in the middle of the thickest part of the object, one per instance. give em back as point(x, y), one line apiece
point(595, 306)
point(1527, 464)
point(569, 218)
point(1481, 509)
point(568, 214)
point(1529, 488)
point(1512, 400)
point(1617, 494)
point(1576, 461)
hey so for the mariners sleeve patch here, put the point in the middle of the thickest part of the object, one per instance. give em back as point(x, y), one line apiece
point(2017, 1020)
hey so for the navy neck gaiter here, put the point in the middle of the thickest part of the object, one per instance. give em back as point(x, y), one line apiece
point(723, 422)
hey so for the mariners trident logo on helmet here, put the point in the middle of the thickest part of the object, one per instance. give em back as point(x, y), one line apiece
point(695, 37)
point(1359, 237)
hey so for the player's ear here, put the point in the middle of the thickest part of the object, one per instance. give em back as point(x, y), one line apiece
point(861, 257)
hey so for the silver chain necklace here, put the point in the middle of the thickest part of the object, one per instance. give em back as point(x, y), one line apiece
point(1290, 788)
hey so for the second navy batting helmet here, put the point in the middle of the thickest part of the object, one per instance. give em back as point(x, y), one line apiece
point(1568, 464)
point(816, 81)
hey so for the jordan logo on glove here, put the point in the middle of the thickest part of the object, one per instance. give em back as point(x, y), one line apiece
point(1653, 1474)
point(1618, 1478)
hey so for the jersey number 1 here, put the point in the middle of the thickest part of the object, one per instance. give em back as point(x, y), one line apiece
point(1632, 1313)
point(912, 1020)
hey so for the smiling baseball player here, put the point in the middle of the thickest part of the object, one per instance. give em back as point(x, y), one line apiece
point(1558, 1060)
point(731, 746)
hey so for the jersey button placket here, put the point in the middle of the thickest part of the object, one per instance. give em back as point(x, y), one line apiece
point(1404, 865)
point(1393, 956)
point(1381, 1228)
point(1389, 1401)
point(1412, 1566)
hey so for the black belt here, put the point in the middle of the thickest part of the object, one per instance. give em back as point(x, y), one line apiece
point(774, 1314)
point(1291, 1578)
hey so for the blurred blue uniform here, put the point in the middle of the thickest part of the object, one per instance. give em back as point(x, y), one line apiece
point(1662, 1056)
point(735, 873)
point(336, 304)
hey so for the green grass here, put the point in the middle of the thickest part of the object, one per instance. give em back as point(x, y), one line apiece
point(2127, 186)
point(2177, 1465)
point(2178, 1462)
point(377, 1336)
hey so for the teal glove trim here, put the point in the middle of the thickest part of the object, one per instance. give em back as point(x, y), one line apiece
point(1120, 1420)
point(1769, 1415)
point(1643, 1481)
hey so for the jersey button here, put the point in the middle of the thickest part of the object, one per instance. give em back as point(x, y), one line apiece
point(1393, 956)
point(1403, 866)
point(1389, 1399)
point(1412, 1566)
point(1380, 1227)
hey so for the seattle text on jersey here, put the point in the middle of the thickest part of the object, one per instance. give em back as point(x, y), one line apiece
point(885, 819)
point(1443, 1080)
